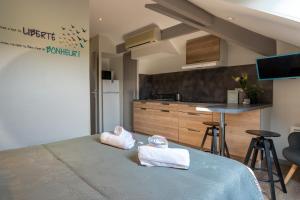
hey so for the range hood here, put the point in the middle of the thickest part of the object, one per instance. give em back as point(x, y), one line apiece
point(205, 52)
point(210, 64)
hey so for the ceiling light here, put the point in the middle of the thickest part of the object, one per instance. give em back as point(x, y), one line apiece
point(230, 18)
point(100, 19)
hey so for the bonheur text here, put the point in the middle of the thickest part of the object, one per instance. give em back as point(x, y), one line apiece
point(61, 51)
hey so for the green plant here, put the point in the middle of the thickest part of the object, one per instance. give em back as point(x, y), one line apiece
point(252, 91)
point(242, 80)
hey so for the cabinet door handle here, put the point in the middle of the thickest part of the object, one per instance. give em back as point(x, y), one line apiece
point(190, 113)
point(166, 104)
point(193, 130)
point(143, 108)
point(164, 110)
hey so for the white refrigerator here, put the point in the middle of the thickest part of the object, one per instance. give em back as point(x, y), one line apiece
point(110, 104)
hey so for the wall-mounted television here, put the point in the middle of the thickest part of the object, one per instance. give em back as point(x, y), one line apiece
point(278, 67)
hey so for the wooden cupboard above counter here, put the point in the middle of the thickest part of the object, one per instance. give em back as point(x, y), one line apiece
point(180, 122)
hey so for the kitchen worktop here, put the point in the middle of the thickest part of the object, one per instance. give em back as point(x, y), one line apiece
point(216, 107)
point(204, 104)
point(232, 108)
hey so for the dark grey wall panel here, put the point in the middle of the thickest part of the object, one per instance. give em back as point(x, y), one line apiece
point(206, 85)
point(129, 89)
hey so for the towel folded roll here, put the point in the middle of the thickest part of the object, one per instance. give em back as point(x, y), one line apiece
point(164, 157)
point(124, 140)
point(119, 130)
point(158, 141)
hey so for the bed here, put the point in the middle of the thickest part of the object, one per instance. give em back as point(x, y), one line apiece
point(83, 168)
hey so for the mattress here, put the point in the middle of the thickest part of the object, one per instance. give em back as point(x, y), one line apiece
point(83, 168)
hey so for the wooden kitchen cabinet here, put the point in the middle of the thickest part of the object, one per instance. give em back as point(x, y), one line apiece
point(237, 139)
point(158, 120)
point(192, 129)
point(203, 49)
point(182, 123)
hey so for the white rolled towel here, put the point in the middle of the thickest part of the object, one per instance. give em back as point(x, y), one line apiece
point(119, 130)
point(164, 157)
point(123, 141)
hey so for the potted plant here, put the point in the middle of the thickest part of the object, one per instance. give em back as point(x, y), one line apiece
point(250, 91)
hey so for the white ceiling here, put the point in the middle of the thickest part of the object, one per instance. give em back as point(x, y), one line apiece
point(123, 16)
point(272, 18)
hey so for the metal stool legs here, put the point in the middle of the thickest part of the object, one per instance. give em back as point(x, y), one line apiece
point(214, 141)
point(266, 146)
point(204, 138)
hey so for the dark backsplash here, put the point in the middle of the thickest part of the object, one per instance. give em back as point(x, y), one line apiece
point(206, 85)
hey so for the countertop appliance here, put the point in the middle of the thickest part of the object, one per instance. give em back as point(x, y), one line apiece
point(110, 104)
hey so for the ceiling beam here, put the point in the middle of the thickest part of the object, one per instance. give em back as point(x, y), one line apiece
point(189, 10)
point(177, 30)
point(221, 28)
point(166, 34)
point(170, 13)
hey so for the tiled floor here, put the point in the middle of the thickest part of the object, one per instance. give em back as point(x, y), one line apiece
point(293, 187)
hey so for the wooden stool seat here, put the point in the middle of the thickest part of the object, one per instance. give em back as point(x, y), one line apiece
point(263, 133)
point(212, 123)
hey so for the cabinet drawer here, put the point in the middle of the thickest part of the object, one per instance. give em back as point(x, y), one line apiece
point(140, 119)
point(165, 123)
point(168, 106)
point(194, 120)
point(146, 104)
point(156, 105)
point(193, 137)
point(189, 109)
point(156, 122)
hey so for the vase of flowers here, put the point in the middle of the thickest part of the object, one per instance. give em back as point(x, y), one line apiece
point(249, 91)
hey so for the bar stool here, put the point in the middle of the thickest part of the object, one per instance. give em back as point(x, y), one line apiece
point(266, 146)
point(213, 130)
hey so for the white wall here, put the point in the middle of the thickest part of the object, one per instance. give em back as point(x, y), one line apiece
point(156, 64)
point(286, 103)
point(44, 97)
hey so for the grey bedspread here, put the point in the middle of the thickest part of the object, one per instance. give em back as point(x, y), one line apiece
point(83, 168)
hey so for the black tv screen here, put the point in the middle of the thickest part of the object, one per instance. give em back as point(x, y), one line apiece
point(278, 67)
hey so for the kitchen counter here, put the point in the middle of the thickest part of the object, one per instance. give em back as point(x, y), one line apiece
point(204, 104)
point(215, 107)
point(231, 108)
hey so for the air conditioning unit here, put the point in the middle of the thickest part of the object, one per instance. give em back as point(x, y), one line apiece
point(146, 36)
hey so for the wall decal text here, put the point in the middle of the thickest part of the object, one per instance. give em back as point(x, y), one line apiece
point(39, 34)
